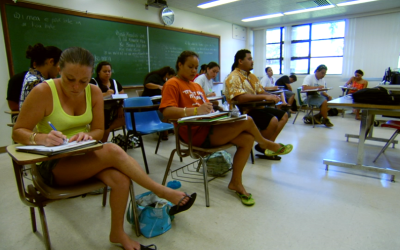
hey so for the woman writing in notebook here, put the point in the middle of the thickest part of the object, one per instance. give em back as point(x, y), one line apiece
point(113, 112)
point(72, 104)
point(356, 83)
point(182, 97)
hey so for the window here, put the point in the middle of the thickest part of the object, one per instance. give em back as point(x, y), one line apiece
point(315, 44)
point(275, 49)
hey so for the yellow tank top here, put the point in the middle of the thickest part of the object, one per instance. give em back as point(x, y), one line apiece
point(69, 125)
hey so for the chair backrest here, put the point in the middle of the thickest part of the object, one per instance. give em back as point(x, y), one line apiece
point(299, 95)
point(146, 118)
point(139, 92)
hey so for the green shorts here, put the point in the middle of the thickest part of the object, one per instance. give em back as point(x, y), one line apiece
point(45, 169)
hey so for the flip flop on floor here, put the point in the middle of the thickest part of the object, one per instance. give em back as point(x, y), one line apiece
point(246, 199)
point(148, 247)
point(263, 156)
point(283, 150)
point(178, 209)
point(142, 247)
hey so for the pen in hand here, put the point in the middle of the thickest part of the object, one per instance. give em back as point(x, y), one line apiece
point(54, 128)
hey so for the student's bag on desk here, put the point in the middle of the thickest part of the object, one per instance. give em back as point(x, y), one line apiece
point(154, 218)
point(378, 95)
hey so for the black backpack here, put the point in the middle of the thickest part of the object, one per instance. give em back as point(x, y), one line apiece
point(376, 95)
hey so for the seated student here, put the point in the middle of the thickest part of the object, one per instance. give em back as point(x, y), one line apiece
point(206, 82)
point(113, 117)
point(285, 82)
point(203, 69)
point(14, 90)
point(44, 63)
point(268, 83)
point(242, 86)
point(319, 99)
point(153, 84)
point(71, 103)
point(155, 80)
point(356, 83)
point(182, 97)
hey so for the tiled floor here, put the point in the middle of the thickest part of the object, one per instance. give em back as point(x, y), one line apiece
point(298, 204)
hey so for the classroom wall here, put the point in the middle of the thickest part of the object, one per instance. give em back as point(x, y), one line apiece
point(131, 9)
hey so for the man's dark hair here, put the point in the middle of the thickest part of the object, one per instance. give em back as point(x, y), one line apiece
point(240, 55)
point(294, 77)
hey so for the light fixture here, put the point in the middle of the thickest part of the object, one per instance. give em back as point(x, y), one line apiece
point(214, 3)
point(309, 9)
point(250, 19)
point(354, 2)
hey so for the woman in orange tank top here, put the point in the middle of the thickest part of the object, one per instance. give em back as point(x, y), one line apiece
point(356, 83)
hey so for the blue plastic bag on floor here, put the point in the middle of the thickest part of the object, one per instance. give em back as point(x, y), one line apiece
point(153, 213)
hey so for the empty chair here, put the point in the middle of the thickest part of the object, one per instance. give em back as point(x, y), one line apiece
point(144, 121)
point(390, 124)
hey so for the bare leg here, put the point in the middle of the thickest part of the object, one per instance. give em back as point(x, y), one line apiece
point(119, 184)
point(358, 117)
point(119, 122)
point(74, 169)
point(244, 143)
point(225, 133)
point(324, 109)
point(275, 127)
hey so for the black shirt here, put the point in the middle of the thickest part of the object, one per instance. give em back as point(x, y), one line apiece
point(283, 81)
point(156, 79)
point(15, 87)
point(105, 88)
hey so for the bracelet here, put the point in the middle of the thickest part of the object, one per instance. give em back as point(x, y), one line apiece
point(184, 111)
point(195, 111)
point(32, 138)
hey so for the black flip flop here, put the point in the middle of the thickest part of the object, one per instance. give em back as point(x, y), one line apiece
point(148, 247)
point(263, 156)
point(178, 209)
point(272, 158)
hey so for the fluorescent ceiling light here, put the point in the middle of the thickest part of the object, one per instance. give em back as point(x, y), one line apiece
point(309, 9)
point(250, 19)
point(214, 3)
point(354, 2)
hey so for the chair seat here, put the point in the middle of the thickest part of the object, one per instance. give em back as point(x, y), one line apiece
point(208, 150)
point(392, 124)
point(57, 193)
point(145, 129)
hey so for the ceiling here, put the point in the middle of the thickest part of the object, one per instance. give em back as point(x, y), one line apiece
point(236, 11)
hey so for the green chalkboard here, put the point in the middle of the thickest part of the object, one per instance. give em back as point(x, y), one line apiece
point(166, 45)
point(133, 48)
point(123, 45)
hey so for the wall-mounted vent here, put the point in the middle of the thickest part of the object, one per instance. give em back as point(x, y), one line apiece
point(314, 3)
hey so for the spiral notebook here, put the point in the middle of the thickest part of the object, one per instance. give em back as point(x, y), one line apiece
point(43, 150)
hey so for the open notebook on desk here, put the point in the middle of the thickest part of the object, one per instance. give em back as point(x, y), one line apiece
point(205, 118)
point(43, 150)
point(116, 97)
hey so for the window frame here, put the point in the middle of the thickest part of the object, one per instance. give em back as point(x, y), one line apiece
point(281, 43)
point(310, 40)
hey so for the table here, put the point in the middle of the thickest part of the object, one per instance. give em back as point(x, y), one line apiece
point(366, 128)
point(211, 98)
point(344, 88)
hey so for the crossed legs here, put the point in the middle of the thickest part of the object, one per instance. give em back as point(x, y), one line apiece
point(115, 168)
point(242, 134)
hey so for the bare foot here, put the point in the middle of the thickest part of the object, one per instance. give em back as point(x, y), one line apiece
point(123, 239)
point(173, 196)
point(358, 117)
point(238, 188)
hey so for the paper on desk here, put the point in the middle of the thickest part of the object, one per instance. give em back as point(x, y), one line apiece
point(207, 116)
point(56, 149)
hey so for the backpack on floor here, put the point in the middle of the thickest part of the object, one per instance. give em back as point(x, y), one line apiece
point(307, 119)
point(333, 112)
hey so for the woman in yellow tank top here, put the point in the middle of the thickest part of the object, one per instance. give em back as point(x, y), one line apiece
point(356, 83)
point(71, 103)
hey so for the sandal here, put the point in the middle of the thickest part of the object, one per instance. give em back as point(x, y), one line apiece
point(178, 208)
point(265, 157)
point(148, 247)
point(286, 149)
point(246, 199)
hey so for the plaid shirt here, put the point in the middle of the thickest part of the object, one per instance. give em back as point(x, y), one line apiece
point(32, 78)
